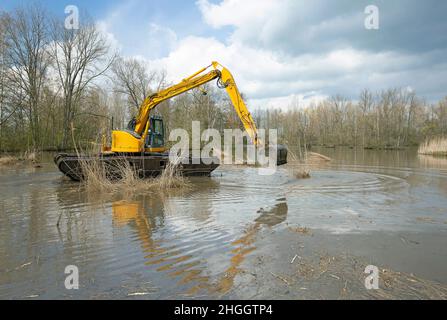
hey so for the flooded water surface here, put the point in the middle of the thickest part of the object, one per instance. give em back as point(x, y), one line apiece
point(236, 234)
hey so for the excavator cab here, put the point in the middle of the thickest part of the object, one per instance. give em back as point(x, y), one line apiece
point(155, 137)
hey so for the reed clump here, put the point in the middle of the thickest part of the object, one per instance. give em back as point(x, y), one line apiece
point(28, 157)
point(435, 147)
point(8, 160)
point(301, 173)
point(121, 176)
point(94, 177)
point(298, 166)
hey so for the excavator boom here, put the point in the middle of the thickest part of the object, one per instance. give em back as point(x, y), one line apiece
point(127, 141)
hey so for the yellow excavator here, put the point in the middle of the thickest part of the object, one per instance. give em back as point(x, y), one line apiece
point(142, 143)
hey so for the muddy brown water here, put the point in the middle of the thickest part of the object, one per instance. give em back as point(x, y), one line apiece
point(236, 234)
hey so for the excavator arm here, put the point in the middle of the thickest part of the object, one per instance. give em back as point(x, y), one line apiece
point(132, 141)
point(239, 105)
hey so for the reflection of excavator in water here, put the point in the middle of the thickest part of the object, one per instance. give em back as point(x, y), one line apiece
point(142, 143)
point(145, 214)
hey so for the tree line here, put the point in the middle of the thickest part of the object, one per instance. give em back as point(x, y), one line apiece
point(59, 86)
point(391, 118)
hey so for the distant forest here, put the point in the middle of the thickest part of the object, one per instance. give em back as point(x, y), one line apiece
point(58, 86)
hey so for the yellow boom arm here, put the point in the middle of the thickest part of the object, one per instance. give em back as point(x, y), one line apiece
point(125, 141)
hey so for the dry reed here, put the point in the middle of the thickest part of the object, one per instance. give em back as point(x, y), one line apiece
point(121, 176)
point(299, 167)
point(28, 157)
point(8, 160)
point(435, 147)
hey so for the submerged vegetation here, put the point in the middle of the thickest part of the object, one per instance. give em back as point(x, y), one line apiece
point(7, 160)
point(301, 173)
point(434, 147)
point(28, 157)
point(299, 163)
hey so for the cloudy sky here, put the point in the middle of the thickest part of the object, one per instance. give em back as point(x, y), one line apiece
point(279, 51)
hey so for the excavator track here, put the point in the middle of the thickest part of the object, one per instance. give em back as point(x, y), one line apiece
point(146, 165)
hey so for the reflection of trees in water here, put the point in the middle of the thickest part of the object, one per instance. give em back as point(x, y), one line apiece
point(24, 225)
point(427, 161)
point(370, 157)
point(433, 162)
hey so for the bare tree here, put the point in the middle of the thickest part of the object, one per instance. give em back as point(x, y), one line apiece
point(365, 103)
point(133, 79)
point(2, 75)
point(80, 56)
point(338, 103)
point(117, 112)
point(27, 41)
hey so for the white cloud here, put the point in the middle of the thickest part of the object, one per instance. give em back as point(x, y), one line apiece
point(289, 102)
point(274, 52)
point(103, 27)
point(261, 74)
point(236, 13)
